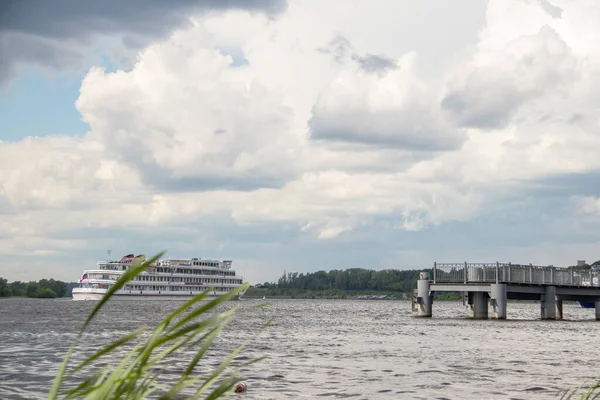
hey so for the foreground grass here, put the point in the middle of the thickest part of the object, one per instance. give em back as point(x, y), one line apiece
point(136, 375)
point(593, 392)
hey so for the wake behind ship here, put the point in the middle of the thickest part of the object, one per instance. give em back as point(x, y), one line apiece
point(171, 279)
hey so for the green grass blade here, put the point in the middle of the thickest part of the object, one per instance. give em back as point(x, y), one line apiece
point(61, 372)
point(212, 336)
point(90, 386)
point(107, 349)
point(156, 340)
point(147, 387)
point(209, 306)
point(131, 273)
point(223, 388)
point(208, 338)
point(86, 384)
point(118, 378)
point(192, 331)
point(219, 370)
point(206, 345)
point(137, 374)
point(186, 340)
point(198, 325)
point(186, 305)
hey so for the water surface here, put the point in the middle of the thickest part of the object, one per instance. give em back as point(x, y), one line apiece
point(330, 349)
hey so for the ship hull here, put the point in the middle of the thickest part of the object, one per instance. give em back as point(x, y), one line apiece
point(97, 295)
point(587, 304)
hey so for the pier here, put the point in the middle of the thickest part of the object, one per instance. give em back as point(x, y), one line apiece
point(488, 286)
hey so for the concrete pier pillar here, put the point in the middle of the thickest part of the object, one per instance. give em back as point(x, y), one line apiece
point(478, 309)
point(422, 303)
point(548, 303)
point(498, 300)
point(597, 305)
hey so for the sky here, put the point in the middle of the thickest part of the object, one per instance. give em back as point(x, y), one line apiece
point(298, 135)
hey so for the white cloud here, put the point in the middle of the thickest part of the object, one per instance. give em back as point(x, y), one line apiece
point(325, 130)
point(59, 172)
point(587, 204)
point(392, 108)
point(497, 82)
point(184, 117)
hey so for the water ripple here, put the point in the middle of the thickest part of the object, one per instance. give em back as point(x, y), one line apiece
point(327, 349)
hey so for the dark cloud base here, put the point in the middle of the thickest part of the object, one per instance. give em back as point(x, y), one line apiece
point(30, 25)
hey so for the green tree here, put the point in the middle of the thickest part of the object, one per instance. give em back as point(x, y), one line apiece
point(352, 279)
point(31, 289)
point(18, 288)
point(58, 287)
point(45, 293)
point(4, 288)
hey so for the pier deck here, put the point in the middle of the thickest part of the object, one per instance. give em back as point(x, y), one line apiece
point(484, 284)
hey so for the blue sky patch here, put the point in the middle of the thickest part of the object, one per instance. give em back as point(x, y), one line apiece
point(37, 104)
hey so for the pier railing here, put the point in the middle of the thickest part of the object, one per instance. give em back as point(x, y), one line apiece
point(513, 273)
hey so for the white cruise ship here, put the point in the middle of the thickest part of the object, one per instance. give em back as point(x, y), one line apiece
point(170, 279)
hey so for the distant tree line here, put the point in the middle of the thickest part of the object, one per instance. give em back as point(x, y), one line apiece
point(358, 279)
point(44, 288)
point(595, 265)
point(353, 279)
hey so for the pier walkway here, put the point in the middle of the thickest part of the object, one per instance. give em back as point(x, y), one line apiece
point(489, 285)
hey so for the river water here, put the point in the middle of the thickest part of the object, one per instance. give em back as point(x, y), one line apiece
point(329, 349)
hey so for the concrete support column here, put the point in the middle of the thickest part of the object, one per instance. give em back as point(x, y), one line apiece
point(422, 302)
point(478, 309)
point(548, 303)
point(597, 304)
point(498, 300)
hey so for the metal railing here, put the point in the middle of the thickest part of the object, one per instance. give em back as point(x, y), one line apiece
point(513, 273)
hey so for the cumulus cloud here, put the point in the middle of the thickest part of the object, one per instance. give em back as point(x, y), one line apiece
point(191, 128)
point(322, 132)
point(58, 172)
point(395, 109)
point(497, 83)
